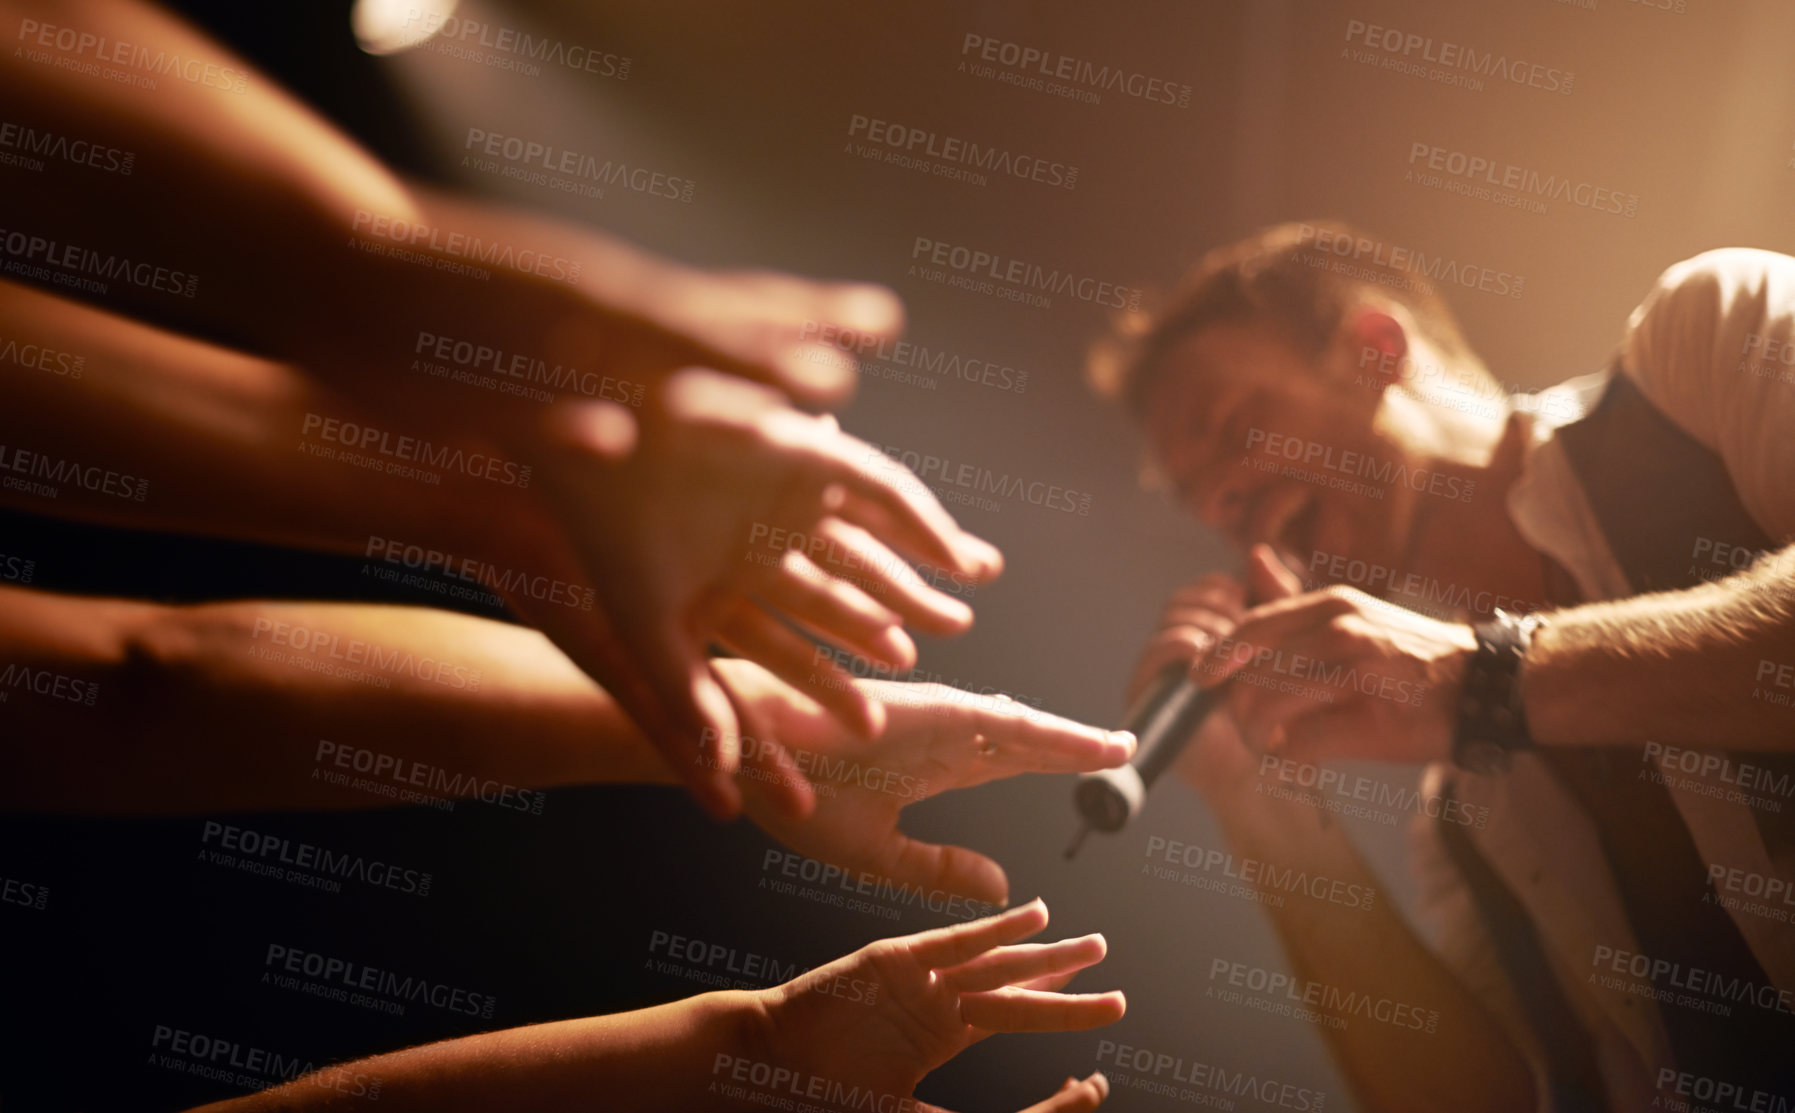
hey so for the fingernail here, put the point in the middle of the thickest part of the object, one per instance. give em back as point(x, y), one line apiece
point(868, 309)
point(1101, 1081)
point(818, 367)
point(896, 647)
point(1125, 739)
point(954, 611)
point(984, 557)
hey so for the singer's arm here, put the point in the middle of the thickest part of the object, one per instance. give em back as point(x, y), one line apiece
point(1680, 667)
point(1467, 1062)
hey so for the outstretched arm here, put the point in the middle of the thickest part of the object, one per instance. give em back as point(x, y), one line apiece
point(859, 1032)
point(112, 420)
point(134, 708)
point(203, 439)
point(275, 232)
point(120, 707)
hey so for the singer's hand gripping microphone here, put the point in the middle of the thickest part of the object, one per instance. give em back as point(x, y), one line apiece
point(1164, 720)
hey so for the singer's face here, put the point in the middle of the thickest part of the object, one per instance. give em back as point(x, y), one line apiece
point(1265, 446)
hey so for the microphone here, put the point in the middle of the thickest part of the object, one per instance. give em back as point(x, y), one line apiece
point(1164, 720)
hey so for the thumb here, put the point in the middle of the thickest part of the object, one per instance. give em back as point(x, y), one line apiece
point(1269, 578)
point(1075, 1096)
point(950, 869)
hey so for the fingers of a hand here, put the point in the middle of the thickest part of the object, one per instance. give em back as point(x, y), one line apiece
point(1323, 735)
point(837, 612)
point(686, 715)
point(601, 428)
point(769, 326)
point(1217, 592)
point(1021, 963)
point(1178, 645)
point(951, 869)
point(956, 943)
point(1048, 983)
point(845, 315)
point(1207, 619)
point(857, 556)
point(1260, 712)
point(719, 742)
point(1020, 739)
point(1032, 1010)
point(755, 634)
point(1268, 577)
point(1075, 1096)
point(889, 501)
point(1267, 629)
point(768, 769)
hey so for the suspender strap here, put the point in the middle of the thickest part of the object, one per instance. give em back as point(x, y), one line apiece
point(1572, 1078)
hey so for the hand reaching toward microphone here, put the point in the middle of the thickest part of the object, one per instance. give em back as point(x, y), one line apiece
point(679, 540)
point(935, 739)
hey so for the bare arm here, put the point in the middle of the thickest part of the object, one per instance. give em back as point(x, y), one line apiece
point(659, 1058)
point(220, 443)
point(304, 247)
point(291, 705)
point(859, 1032)
point(1683, 667)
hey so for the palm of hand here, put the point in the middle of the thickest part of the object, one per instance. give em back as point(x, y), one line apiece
point(912, 1026)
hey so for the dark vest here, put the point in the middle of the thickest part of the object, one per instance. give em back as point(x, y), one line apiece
point(1655, 492)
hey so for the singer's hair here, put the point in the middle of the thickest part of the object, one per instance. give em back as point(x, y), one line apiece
point(1301, 280)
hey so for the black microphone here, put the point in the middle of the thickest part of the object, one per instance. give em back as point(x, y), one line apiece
point(1164, 720)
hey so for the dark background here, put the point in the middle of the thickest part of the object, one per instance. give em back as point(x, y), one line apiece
point(1692, 110)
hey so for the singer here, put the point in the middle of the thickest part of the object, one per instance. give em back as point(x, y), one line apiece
point(1562, 621)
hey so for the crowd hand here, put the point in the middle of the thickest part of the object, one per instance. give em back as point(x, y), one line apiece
point(1339, 674)
point(885, 1016)
point(687, 540)
point(936, 738)
point(1075, 1095)
point(792, 333)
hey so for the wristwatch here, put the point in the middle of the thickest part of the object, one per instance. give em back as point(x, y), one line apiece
point(1492, 724)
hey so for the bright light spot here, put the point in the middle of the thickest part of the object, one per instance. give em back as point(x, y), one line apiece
point(389, 26)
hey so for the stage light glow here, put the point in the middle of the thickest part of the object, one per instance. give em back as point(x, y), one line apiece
point(392, 26)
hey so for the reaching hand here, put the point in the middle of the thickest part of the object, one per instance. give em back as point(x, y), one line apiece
point(935, 739)
point(762, 325)
point(700, 534)
point(885, 1016)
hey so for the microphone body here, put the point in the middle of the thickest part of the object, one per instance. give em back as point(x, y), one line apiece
point(1164, 720)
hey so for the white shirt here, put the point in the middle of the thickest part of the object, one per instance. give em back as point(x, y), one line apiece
point(1713, 348)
